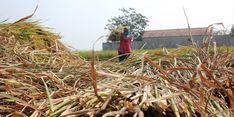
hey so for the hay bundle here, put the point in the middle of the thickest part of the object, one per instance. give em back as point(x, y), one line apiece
point(115, 34)
point(29, 33)
point(35, 43)
point(34, 64)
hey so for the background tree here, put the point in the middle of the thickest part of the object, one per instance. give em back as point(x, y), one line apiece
point(219, 29)
point(135, 21)
point(232, 30)
point(220, 32)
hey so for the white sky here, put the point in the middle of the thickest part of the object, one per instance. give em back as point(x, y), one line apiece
point(81, 22)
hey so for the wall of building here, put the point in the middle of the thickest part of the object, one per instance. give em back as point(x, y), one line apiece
point(171, 42)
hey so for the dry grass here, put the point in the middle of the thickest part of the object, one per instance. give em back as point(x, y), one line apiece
point(49, 80)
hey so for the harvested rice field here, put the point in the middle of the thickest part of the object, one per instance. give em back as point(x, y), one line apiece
point(41, 77)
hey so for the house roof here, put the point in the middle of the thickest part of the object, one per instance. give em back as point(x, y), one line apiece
point(174, 32)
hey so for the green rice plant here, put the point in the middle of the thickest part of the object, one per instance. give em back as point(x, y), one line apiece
point(159, 52)
point(100, 55)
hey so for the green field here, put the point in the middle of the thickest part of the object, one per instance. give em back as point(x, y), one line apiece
point(108, 54)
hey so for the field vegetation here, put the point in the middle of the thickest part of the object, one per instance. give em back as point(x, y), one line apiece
point(108, 54)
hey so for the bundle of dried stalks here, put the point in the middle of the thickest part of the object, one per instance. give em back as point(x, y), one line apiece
point(115, 34)
point(32, 58)
point(28, 41)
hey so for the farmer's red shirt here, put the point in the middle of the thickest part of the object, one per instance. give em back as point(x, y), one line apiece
point(125, 44)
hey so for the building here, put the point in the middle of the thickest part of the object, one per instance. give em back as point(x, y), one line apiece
point(172, 38)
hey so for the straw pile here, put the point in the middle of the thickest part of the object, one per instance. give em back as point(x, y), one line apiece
point(42, 78)
point(30, 58)
point(33, 43)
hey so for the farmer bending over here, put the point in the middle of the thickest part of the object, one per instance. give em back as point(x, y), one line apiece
point(124, 49)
